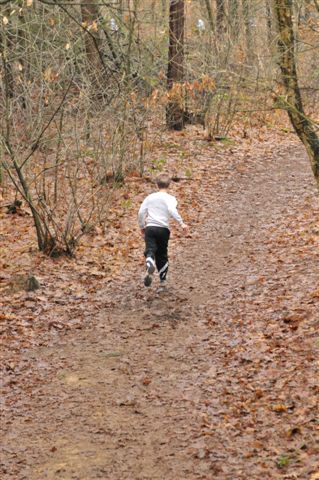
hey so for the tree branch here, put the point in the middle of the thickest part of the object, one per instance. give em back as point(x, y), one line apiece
point(35, 144)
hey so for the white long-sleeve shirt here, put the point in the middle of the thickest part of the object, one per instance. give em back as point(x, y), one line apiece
point(156, 210)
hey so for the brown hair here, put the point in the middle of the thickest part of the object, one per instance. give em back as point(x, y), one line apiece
point(163, 180)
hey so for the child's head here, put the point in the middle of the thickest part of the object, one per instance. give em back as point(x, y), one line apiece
point(163, 180)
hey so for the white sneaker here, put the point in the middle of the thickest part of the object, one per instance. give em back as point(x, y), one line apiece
point(148, 280)
point(150, 267)
point(162, 287)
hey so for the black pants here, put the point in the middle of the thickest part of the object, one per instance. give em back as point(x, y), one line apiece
point(156, 243)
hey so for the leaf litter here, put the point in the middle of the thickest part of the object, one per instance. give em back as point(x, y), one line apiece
point(216, 378)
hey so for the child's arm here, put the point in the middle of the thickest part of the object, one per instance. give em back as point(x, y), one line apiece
point(172, 209)
point(142, 214)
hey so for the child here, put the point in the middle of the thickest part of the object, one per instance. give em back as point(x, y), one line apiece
point(153, 219)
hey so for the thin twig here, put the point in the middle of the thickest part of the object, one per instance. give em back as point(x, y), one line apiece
point(35, 145)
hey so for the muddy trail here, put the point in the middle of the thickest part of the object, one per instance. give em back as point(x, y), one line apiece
point(216, 378)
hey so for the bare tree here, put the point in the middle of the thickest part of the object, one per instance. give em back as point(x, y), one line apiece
point(65, 176)
point(175, 71)
point(90, 15)
point(5, 51)
point(269, 22)
point(210, 14)
point(248, 22)
point(292, 99)
point(220, 17)
point(234, 18)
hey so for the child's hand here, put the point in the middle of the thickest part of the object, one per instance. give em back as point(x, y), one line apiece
point(142, 232)
point(185, 227)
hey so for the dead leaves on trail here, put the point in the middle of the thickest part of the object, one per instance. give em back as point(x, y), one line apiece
point(223, 366)
point(73, 290)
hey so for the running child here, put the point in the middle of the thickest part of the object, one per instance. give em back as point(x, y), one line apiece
point(153, 219)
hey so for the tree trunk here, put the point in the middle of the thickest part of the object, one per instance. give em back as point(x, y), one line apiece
point(248, 32)
point(269, 23)
point(6, 44)
point(234, 18)
point(293, 101)
point(210, 14)
point(175, 71)
point(90, 16)
point(316, 2)
point(220, 17)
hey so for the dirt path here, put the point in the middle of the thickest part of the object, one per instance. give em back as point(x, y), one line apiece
point(216, 378)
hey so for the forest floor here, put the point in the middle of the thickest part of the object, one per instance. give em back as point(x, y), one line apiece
point(216, 378)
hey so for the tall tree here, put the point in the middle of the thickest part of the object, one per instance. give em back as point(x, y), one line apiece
point(210, 14)
point(248, 22)
point(220, 17)
point(269, 22)
point(90, 17)
point(6, 44)
point(175, 70)
point(234, 18)
point(292, 100)
point(316, 2)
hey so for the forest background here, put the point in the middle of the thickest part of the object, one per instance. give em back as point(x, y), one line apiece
point(89, 88)
point(90, 92)
point(99, 97)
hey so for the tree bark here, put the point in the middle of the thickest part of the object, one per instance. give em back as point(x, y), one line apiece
point(210, 14)
point(269, 23)
point(175, 70)
point(8, 75)
point(90, 17)
point(220, 17)
point(6, 44)
point(316, 2)
point(234, 18)
point(248, 31)
point(293, 102)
